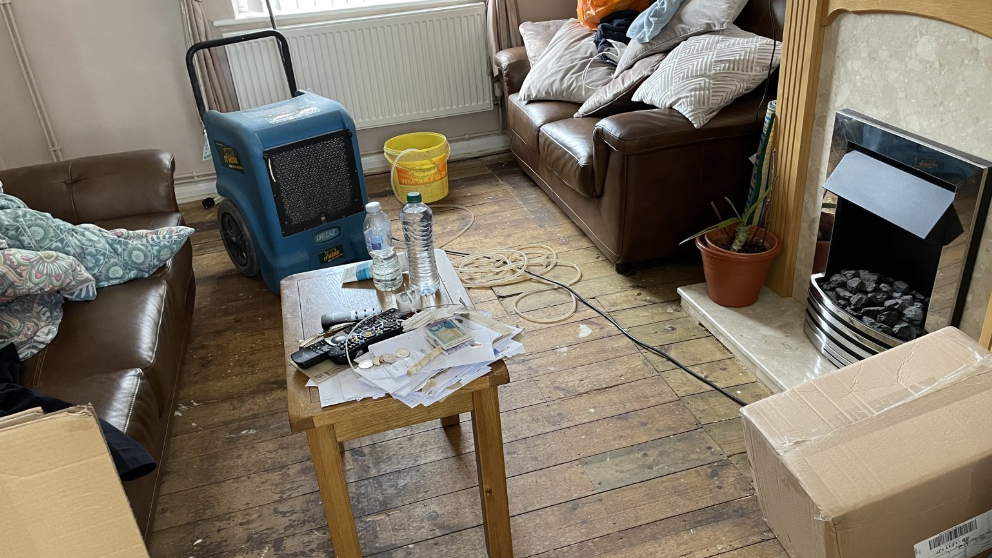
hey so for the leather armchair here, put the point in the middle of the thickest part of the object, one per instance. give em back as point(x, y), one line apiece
point(639, 182)
point(121, 352)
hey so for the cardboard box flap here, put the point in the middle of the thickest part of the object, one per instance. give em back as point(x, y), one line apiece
point(860, 392)
point(60, 491)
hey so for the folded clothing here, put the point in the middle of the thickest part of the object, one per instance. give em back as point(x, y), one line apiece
point(613, 29)
point(651, 21)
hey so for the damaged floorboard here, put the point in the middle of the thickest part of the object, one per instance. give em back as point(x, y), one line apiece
point(610, 451)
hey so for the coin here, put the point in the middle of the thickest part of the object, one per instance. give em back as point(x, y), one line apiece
point(387, 358)
point(367, 333)
point(402, 353)
point(376, 361)
point(365, 364)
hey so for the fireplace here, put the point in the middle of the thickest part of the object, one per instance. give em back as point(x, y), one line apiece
point(907, 223)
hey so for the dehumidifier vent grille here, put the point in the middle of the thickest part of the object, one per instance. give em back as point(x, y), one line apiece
point(314, 181)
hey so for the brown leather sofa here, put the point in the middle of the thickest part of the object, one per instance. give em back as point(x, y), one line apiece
point(640, 182)
point(121, 352)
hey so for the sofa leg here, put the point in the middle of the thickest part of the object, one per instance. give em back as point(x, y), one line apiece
point(623, 268)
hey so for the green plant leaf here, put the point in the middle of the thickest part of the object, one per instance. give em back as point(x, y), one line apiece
point(721, 225)
point(731, 204)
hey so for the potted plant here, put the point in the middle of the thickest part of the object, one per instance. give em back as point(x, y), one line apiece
point(737, 253)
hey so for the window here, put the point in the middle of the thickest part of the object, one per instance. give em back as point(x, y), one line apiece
point(255, 8)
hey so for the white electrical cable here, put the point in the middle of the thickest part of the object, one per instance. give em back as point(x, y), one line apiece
point(503, 267)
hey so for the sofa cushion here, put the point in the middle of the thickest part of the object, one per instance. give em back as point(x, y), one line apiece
point(527, 118)
point(125, 327)
point(567, 149)
point(124, 398)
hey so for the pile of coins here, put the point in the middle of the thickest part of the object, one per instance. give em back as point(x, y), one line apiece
point(387, 358)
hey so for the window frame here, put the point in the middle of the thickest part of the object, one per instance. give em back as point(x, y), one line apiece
point(313, 16)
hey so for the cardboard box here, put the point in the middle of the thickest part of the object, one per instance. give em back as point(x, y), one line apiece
point(891, 457)
point(59, 490)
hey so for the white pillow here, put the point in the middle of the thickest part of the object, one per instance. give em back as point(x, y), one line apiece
point(537, 36)
point(569, 70)
point(695, 17)
point(706, 73)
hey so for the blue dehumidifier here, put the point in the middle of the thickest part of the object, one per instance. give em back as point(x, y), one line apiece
point(291, 176)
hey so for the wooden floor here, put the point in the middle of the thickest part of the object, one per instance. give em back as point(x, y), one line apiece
point(609, 452)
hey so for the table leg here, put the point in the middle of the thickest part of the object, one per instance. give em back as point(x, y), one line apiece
point(328, 465)
point(492, 472)
point(453, 420)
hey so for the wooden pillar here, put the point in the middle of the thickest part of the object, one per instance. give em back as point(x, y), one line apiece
point(799, 79)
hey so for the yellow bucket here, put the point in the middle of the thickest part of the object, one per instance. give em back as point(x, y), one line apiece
point(420, 164)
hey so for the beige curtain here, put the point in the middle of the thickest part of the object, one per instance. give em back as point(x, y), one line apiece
point(216, 82)
point(503, 22)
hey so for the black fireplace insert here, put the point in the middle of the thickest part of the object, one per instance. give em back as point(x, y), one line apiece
point(907, 225)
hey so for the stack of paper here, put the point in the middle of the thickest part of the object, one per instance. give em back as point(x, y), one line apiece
point(411, 369)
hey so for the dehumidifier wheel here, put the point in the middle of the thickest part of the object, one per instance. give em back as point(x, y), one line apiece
point(237, 238)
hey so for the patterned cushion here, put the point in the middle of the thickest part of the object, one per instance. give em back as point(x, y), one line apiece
point(111, 257)
point(23, 272)
point(706, 73)
point(31, 322)
point(32, 286)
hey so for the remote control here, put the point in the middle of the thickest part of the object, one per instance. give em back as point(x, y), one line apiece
point(314, 353)
point(378, 328)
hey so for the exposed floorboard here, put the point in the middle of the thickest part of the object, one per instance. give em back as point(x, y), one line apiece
point(610, 451)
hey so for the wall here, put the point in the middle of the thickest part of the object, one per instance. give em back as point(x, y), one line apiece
point(924, 76)
point(113, 77)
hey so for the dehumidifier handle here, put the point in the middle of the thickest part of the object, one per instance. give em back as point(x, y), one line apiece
point(287, 61)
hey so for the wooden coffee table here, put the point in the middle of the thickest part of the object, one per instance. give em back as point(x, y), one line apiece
point(305, 297)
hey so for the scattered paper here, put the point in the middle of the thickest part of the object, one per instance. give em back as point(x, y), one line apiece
point(428, 374)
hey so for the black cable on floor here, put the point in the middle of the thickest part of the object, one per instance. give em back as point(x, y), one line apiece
point(626, 334)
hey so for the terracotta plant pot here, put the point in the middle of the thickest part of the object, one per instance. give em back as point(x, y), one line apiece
point(734, 279)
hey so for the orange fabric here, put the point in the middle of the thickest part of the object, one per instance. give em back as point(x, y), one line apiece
point(592, 11)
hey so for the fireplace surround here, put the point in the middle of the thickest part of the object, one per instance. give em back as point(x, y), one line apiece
point(910, 212)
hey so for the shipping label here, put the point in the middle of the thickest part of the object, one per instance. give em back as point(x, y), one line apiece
point(961, 541)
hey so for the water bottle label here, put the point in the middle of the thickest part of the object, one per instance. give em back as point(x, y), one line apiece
point(374, 242)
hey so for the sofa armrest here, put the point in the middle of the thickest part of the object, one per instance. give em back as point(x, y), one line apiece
point(514, 67)
point(97, 188)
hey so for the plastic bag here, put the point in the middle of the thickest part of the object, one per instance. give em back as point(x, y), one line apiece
point(592, 11)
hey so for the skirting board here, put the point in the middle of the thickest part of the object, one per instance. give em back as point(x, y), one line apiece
point(373, 163)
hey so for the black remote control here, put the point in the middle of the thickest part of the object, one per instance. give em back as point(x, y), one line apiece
point(377, 328)
point(311, 354)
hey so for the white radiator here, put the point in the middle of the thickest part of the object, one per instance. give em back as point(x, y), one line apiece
point(385, 69)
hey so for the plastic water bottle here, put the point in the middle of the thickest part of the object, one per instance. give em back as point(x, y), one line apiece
point(418, 233)
point(386, 273)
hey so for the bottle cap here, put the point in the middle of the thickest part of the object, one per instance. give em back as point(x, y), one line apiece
point(373, 207)
point(413, 197)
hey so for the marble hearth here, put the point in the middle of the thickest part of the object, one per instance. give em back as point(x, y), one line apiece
point(767, 337)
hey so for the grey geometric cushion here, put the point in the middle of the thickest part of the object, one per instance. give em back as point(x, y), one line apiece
point(706, 73)
point(695, 17)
